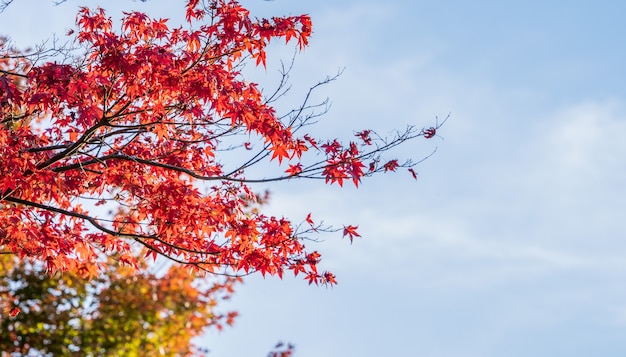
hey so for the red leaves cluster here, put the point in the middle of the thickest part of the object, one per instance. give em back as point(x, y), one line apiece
point(343, 163)
point(391, 165)
point(430, 132)
point(282, 350)
point(135, 125)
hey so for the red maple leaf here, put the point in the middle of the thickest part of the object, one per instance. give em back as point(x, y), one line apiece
point(309, 220)
point(294, 170)
point(351, 232)
point(391, 165)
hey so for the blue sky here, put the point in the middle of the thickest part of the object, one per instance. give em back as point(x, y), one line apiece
point(511, 242)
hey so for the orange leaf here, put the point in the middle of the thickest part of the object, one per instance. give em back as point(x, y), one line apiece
point(351, 232)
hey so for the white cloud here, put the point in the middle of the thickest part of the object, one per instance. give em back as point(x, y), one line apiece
point(586, 140)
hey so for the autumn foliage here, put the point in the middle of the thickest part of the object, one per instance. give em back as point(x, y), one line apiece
point(112, 148)
point(121, 312)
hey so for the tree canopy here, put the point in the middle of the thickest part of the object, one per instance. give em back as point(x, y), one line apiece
point(114, 153)
point(121, 312)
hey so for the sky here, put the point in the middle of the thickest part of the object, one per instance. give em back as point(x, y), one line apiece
point(512, 240)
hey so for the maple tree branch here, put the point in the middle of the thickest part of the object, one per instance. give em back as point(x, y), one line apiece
point(198, 264)
point(311, 169)
point(280, 88)
point(5, 4)
point(162, 165)
point(9, 73)
point(179, 261)
point(193, 64)
point(48, 148)
point(300, 110)
point(87, 218)
point(83, 140)
point(295, 115)
point(94, 222)
point(72, 148)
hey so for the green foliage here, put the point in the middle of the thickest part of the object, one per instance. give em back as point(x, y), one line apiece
point(122, 312)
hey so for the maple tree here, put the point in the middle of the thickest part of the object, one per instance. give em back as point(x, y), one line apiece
point(136, 122)
point(116, 148)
